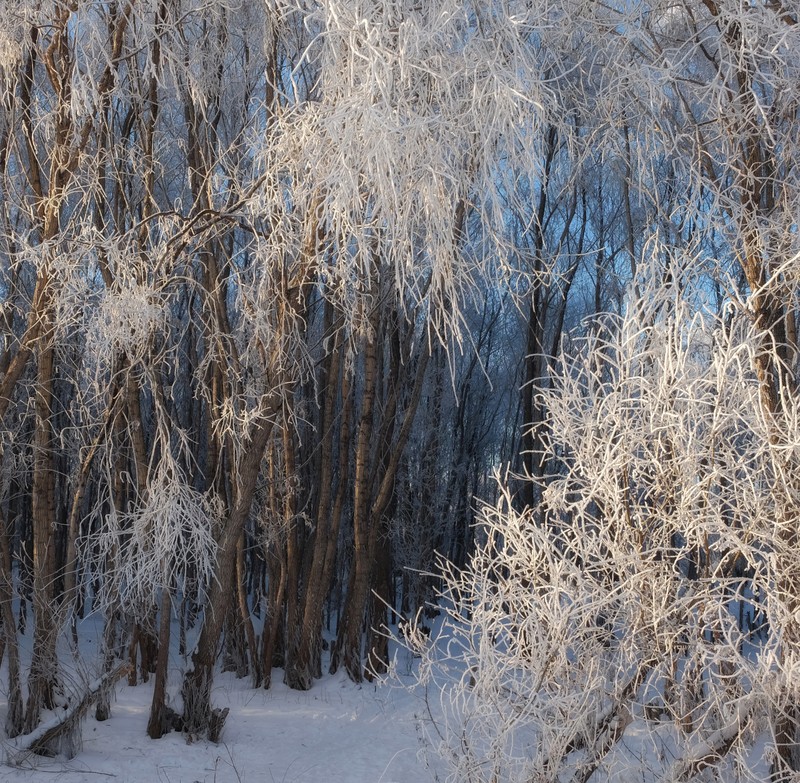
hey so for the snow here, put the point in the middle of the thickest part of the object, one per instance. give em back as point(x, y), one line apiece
point(337, 732)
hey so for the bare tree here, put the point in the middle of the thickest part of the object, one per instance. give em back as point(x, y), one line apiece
point(617, 609)
point(267, 272)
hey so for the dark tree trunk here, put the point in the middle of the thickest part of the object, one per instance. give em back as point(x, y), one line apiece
point(306, 662)
point(15, 716)
point(245, 620)
point(378, 632)
point(198, 680)
point(347, 651)
point(272, 636)
point(43, 676)
point(158, 724)
point(367, 520)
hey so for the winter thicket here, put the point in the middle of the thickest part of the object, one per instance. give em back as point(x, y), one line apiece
point(286, 285)
point(646, 592)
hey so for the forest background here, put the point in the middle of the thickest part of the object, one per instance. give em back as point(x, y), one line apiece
point(317, 316)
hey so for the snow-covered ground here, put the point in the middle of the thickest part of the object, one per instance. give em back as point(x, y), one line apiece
point(337, 732)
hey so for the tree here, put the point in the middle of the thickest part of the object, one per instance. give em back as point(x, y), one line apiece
point(637, 598)
point(256, 258)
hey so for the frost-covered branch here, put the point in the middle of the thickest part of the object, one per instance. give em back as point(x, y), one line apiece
point(617, 605)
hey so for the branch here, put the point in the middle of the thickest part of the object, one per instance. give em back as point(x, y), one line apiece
point(611, 725)
point(709, 751)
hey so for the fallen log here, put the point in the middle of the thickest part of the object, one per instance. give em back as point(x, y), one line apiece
point(61, 733)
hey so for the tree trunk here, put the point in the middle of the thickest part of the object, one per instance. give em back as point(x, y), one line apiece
point(305, 663)
point(378, 632)
point(158, 725)
point(43, 674)
point(244, 613)
point(367, 519)
point(348, 644)
point(272, 635)
point(15, 713)
point(198, 680)
point(294, 549)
